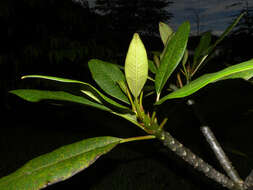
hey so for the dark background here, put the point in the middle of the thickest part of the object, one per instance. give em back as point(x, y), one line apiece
point(58, 38)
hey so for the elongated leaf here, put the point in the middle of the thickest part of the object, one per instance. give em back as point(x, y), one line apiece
point(32, 95)
point(58, 165)
point(173, 55)
point(204, 43)
point(86, 87)
point(210, 49)
point(136, 66)
point(107, 76)
point(165, 32)
point(226, 32)
point(123, 68)
point(246, 75)
point(230, 72)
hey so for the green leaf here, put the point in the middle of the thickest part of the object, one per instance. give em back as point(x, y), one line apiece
point(210, 49)
point(185, 59)
point(130, 117)
point(92, 91)
point(241, 70)
point(246, 75)
point(136, 66)
point(174, 52)
point(226, 32)
point(107, 76)
point(32, 95)
point(151, 66)
point(165, 32)
point(204, 43)
point(122, 68)
point(58, 165)
point(156, 53)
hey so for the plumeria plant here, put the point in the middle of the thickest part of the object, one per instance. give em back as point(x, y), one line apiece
point(123, 94)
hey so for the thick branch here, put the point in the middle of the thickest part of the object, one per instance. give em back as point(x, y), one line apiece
point(217, 149)
point(248, 184)
point(195, 161)
point(221, 156)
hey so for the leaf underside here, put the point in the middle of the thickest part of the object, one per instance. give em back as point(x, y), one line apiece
point(165, 32)
point(136, 66)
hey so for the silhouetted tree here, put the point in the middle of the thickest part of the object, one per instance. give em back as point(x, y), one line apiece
point(49, 37)
point(135, 15)
point(50, 31)
point(236, 44)
point(245, 26)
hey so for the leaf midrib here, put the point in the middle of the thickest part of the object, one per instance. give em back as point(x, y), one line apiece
point(54, 163)
point(193, 87)
point(136, 67)
point(169, 57)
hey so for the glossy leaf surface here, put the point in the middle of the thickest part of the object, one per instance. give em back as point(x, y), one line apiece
point(136, 66)
point(243, 70)
point(85, 87)
point(58, 165)
point(107, 76)
point(172, 56)
point(33, 95)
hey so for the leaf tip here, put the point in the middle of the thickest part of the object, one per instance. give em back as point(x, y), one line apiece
point(161, 23)
point(136, 35)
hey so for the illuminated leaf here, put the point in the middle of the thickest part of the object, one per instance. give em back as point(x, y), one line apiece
point(136, 66)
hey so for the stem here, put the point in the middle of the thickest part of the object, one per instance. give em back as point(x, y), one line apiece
point(221, 156)
point(248, 184)
point(153, 117)
point(157, 61)
point(195, 161)
point(198, 66)
point(141, 97)
point(131, 100)
point(179, 80)
point(138, 138)
point(215, 146)
point(163, 123)
point(139, 111)
point(158, 97)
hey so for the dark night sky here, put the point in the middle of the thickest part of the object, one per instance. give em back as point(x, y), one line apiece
point(214, 15)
